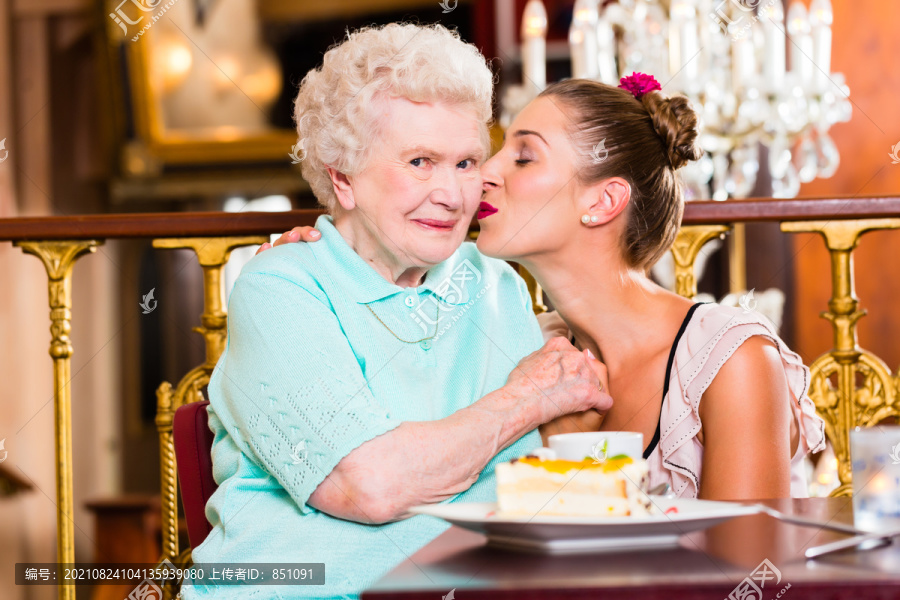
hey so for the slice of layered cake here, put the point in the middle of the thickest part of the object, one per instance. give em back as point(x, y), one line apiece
point(540, 484)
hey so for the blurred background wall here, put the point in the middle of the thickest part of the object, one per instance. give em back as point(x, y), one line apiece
point(865, 48)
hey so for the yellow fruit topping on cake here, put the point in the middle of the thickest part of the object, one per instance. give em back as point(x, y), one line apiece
point(563, 466)
point(540, 484)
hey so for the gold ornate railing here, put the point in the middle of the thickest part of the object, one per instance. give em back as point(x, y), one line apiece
point(840, 399)
point(212, 253)
point(850, 386)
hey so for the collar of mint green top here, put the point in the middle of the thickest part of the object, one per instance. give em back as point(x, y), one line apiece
point(363, 283)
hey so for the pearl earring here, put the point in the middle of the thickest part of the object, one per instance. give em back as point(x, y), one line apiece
point(594, 219)
point(585, 219)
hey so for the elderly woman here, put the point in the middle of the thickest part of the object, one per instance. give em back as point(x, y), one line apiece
point(376, 370)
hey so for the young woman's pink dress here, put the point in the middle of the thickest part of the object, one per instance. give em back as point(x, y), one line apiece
point(711, 336)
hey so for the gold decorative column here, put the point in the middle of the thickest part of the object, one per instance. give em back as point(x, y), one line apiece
point(58, 258)
point(534, 290)
point(737, 259)
point(688, 243)
point(851, 387)
point(212, 254)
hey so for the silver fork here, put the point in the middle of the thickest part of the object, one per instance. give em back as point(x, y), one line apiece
point(877, 540)
point(658, 490)
point(776, 514)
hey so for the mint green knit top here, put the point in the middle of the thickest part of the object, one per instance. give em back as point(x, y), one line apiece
point(309, 374)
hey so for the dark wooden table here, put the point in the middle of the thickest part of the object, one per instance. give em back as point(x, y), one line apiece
point(705, 565)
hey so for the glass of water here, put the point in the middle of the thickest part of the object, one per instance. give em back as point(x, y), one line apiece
point(875, 452)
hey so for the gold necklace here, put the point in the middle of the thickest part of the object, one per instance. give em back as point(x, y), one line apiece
point(437, 321)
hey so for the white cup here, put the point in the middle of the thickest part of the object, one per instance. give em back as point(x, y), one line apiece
point(598, 445)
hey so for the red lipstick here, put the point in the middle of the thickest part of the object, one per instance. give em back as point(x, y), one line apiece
point(437, 224)
point(485, 210)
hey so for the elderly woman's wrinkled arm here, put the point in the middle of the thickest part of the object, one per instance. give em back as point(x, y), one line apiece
point(427, 462)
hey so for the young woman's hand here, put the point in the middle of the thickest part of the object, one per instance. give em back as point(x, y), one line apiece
point(297, 234)
point(553, 326)
point(583, 422)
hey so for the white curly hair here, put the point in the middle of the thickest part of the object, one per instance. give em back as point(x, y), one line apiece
point(334, 109)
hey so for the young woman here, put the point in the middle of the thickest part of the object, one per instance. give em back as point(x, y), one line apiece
point(713, 389)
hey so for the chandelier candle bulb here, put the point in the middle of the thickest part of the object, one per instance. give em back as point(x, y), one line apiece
point(690, 48)
point(743, 62)
point(774, 61)
point(534, 45)
point(576, 47)
point(799, 31)
point(675, 37)
point(730, 58)
point(821, 17)
point(608, 72)
point(583, 39)
point(684, 43)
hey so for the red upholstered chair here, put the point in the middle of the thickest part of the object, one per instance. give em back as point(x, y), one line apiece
point(193, 445)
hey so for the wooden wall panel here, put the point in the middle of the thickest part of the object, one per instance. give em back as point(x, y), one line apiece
point(866, 47)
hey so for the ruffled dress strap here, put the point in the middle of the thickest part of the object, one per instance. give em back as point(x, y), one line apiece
point(711, 337)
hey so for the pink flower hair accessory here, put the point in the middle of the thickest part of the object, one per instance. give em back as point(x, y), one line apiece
point(639, 84)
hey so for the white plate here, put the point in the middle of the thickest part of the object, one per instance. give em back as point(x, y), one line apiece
point(566, 535)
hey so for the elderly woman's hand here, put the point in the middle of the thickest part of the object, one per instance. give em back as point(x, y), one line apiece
point(297, 234)
point(562, 381)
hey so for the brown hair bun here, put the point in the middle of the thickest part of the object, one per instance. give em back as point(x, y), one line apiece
point(676, 124)
point(647, 140)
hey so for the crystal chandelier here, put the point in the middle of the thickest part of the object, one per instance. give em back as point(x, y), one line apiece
point(729, 58)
